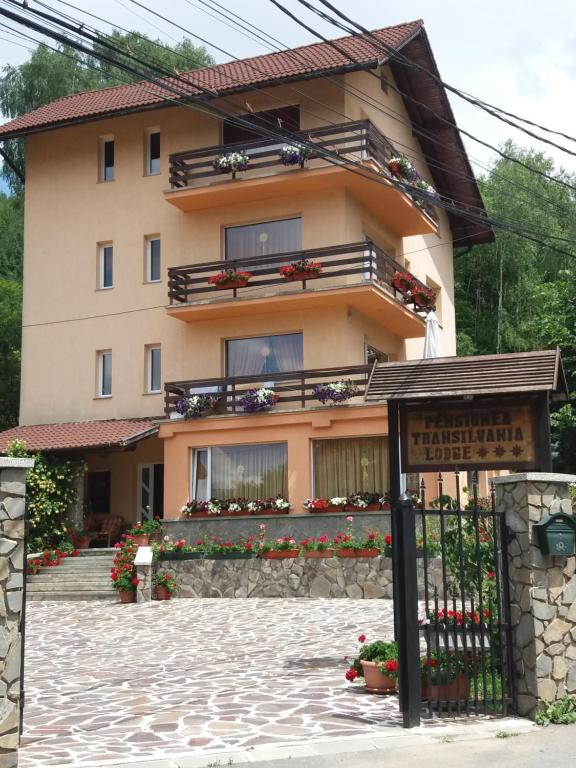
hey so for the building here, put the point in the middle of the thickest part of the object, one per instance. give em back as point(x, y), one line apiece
point(127, 219)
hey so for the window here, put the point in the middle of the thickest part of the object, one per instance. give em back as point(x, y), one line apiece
point(152, 153)
point(240, 471)
point(107, 159)
point(262, 239)
point(98, 492)
point(153, 369)
point(264, 354)
point(351, 465)
point(106, 267)
point(152, 259)
point(104, 387)
point(374, 355)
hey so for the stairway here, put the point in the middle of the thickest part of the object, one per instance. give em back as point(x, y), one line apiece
point(86, 577)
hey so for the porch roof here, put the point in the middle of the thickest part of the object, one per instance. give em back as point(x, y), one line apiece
point(482, 375)
point(81, 435)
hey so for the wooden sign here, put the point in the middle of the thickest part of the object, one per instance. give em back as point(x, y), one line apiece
point(496, 436)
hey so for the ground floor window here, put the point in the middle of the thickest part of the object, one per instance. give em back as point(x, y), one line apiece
point(240, 471)
point(350, 465)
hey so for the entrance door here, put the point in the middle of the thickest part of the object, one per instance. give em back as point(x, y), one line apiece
point(150, 491)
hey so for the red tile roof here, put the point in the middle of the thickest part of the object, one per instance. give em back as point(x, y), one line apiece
point(116, 433)
point(307, 61)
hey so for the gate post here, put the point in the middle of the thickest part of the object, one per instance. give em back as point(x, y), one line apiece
point(12, 602)
point(542, 591)
point(406, 611)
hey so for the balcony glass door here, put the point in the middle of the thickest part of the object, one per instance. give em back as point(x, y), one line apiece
point(264, 354)
point(263, 239)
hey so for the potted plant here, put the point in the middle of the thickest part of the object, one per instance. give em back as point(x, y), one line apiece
point(195, 508)
point(403, 281)
point(294, 154)
point(348, 544)
point(385, 500)
point(335, 504)
point(421, 296)
point(33, 566)
point(219, 549)
point(335, 391)
point(144, 530)
point(401, 167)
point(377, 663)
point(279, 549)
point(425, 187)
point(196, 405)
point(301, 270)
point(232, 162)
point(122, 573)
point(255, 400)
point(178, 550)
point(230, 278)
point(317, 547)
point(164, 584)
point(233, 507)
point(443, 678)
point(269, 506)
point(78, 537)
point(363, 502)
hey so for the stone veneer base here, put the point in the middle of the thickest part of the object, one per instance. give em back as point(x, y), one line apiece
point(354, 578)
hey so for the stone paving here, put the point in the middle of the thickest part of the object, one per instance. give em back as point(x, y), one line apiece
point(109, 682)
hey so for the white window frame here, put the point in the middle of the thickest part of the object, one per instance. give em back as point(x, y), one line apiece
point(101, 159)
point(100, 373)
point(149, 350)
point(193, 473)
point(101, 269)
point(149, 240)
point(147, 154)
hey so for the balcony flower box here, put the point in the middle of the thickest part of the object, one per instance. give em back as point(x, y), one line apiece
point(422, 297)
point(256, 400)
point(403, 281)
point(272, 506)
point(317, 547)
point(232, 162)
point(230, 556)
point(230, 278)
point(301, 270)
point(175, 556)
point(335, 391)
point(318, 506)
point(363, 502)
point(294, 154)
point(280, 555)
point(196, 405)
point(277, 549)
point(401, 168)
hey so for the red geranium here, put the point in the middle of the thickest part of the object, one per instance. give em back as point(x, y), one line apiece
point(362, 638)
point(351, 675)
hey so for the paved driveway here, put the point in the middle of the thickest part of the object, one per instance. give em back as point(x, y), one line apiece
point(106, 681)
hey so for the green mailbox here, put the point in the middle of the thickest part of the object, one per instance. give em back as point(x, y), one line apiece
point(557, 534)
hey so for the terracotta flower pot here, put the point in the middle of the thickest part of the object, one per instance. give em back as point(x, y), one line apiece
point(326, 509)
point(401, 285)
point(82, 543)
point(386, 505)
point(394, 168)
point(198, 514)
point(140, 539)
point(376, 681)
point(283, 555)
point(357, 552)
point(127, 596)
point(315, 554)
point(299, 276)
point(370, 508)
point(236, 513)
point(455, 690)
point(162, 593)
point(421, 301)
point(232, 284)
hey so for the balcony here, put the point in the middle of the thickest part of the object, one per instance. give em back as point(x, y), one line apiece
point(356, 275)
point(196, 185)
point(294, 390)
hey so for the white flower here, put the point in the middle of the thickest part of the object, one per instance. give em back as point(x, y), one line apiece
point(338, 501)
point(234, 508)
point(253, 506)
point(213, 508)
point(281, 503)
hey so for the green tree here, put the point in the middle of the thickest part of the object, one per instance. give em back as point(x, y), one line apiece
point(516, 295)
point(10, 340)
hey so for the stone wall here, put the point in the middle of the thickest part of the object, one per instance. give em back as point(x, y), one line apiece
point(294, 577)
point(12, 505)
point(542, 591)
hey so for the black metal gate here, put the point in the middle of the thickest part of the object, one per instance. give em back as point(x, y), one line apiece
point(452, 604)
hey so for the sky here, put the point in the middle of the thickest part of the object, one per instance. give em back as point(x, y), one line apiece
point(519, 55)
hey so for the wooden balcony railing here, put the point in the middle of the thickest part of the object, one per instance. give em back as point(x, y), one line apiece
point(352, 141)
point(364, 261)
point(295, 388)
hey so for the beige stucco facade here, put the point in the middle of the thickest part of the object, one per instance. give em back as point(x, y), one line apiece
point(67, 319)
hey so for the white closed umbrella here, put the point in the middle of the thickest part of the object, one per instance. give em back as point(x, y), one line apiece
point(432, 338)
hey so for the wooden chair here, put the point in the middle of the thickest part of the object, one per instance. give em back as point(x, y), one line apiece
point(110, 529)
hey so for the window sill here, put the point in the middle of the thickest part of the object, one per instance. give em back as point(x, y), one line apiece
point(151, 282)
point(156, 392)
point(105, 288)
point(102, 397)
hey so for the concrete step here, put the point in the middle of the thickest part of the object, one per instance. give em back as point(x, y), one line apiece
point(67, 583)
point(73, 596)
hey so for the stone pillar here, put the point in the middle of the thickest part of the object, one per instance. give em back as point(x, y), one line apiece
point(143, 564)
point(12, 504)
point(542, 591)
